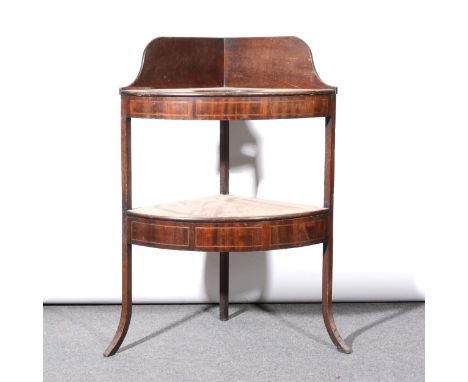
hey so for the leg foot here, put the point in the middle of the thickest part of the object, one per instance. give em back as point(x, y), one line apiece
point(223, 286)
point(333, 331)
point(120, 333)
point(327, 309)
point(126, 312)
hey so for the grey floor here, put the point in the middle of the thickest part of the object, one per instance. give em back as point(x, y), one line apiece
point(267, 342)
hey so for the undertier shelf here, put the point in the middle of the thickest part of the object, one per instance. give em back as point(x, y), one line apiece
point(227, 223)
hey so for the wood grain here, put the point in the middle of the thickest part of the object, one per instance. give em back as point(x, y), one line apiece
point(251, 62)
point(226, 208)
point(238, 236)
point(232, 108)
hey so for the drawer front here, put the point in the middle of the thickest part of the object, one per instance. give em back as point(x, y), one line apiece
point(159, 234)
point(297, 234)
point(232, 108)
point(223, 238)
point(227, 237)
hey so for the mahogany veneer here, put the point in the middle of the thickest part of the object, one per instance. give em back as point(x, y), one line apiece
point(227, 79)
point(227, 223)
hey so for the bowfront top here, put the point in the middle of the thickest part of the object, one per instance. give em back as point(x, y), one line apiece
point(180, 66)
point(228, 79)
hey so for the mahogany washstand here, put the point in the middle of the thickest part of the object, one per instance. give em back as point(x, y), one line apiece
point(227, 79)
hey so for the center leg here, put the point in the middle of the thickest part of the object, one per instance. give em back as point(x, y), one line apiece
point(223, 286)
point(224, 189)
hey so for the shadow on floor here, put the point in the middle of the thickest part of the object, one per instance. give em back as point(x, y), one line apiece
point(244, 151)
point(285, 312)
point(388, 316)
point(248, 276)
point(281, 312)
point(166, 328)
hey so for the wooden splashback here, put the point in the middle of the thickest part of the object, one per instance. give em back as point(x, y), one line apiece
point(254, 62)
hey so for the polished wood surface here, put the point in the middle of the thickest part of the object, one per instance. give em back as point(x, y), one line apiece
point(224, 191)
point(219, 91)
point(250, 62)
point(233, 236)
point(226, 208)
point(182, 62)
point(208, 224)
point(126, 168)
point(327, 271)
point(227, 79)
point(219, 79)
point(233, 108)
point(270, 62)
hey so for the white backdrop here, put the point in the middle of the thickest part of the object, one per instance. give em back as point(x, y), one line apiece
point(388, 144)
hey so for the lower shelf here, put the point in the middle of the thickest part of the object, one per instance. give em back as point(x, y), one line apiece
point(226, 223)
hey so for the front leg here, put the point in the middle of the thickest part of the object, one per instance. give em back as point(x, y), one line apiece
point(126, 312)
point(327, 309)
